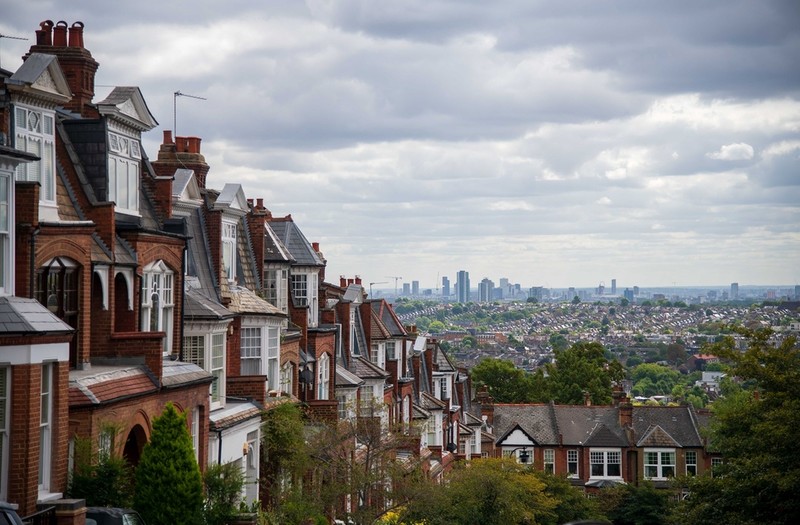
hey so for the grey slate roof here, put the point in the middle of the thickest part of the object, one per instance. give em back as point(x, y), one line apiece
point(534, 420)
point(294, 241)
point(365, 369)
point(21, 315)
point(388, 318)
point(675, 421)
point(198, 306)
point(179, 373)
point(198, 258)
point(274, 250)
point(578, 423)
point(346, 379)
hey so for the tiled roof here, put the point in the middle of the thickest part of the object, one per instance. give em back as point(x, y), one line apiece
point(364, 369)
point(577, 423)
point(429, 402)
point(675, 421)
point(198, 306)
point(377, 323)
point(21, 315)
point(102, 384)
point(179, 373)
point(346, 379)
point(294, 241)
point(245, 301)
point(534, 420)
point(233, 414)
point(388, 317)
point(657, 437)
point(274, 250)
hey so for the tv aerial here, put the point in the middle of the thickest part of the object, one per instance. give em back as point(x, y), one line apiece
point(175, 96)
point(2, 36)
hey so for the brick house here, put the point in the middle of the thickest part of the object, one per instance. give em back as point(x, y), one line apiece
point(96, 248)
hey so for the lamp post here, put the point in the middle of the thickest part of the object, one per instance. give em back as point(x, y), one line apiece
point(524, 455)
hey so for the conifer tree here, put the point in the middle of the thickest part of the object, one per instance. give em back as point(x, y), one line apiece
point(169, 487)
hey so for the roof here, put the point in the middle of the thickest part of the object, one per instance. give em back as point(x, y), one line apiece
point(346, 379)
point(41, 76)
point(293, 239)
point(534, 420)
point(274, 250)
point(579, 423)
point(102, 384)
point(246, 301)
point(233, 414)
point(179, 373)
point(364, 369)
point(127, 105)
point(388, 317)
point(198, 306)
point(21, 315)
point(676, 422)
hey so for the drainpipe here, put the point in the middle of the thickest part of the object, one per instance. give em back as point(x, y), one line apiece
point(219, 447)
point(183, 302)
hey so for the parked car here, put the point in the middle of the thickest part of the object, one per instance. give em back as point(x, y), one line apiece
point(112, 516)
point(8, 514)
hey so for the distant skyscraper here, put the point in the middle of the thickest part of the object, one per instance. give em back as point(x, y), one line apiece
point(635, 290)
point(734, 291)
point(462, 287)
point(445, 287)
point(414, 287)
point(485, 291)
point(797, 292)
point(406, 289)
point(628, 294)
point(536, 292)
point(613, 287)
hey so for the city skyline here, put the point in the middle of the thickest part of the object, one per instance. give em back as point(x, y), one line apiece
point(556, 144)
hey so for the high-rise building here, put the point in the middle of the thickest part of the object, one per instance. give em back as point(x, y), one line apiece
point(536, 292)
point(462, 287)
point(486, 291)
point(414, 287)
point(406, 288)
point(445, 287)
point(628, 294)
point(797, 292)
point(734, 291)
point(613, 287)
point(635, 290)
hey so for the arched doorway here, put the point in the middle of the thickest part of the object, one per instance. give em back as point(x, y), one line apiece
point(123, 317)
point(134, 445)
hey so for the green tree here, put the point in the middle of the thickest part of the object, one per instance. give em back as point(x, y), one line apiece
point(755, 430)
point(436, 327)
point(223, 490)
point(576, 300)
point(628, 504)
point(650, 379)
point(284, 455)
point(485, 492)
point(504, 381)
point(558, 342)
point(102, 479)
point(583, 368)
point(169, 487)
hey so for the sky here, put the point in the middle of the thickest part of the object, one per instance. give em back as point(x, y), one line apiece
point(553, 143)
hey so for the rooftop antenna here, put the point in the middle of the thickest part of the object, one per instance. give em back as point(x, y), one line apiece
point(2, 36)
point(175, 96)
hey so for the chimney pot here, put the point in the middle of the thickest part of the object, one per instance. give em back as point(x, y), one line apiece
point(358, 279)
point(260, 204)
point(76, 35)
point(44, 35)
point(315, 245)
point(60, 34)
point(342, 281)
point(168, 136)
point(250, 202)
point(193, 144)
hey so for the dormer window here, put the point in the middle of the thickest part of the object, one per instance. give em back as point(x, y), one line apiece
point(35, 133)
point(229, 250)
point(123, 172)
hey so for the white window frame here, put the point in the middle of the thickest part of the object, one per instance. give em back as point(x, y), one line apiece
point(605, 453)
point(323, 377)
point(275, 286)
point(391, 351)
point(251, 353)
point(305, 291)
point(6, 227)
point(715, 462)
point(549, 460)
point(300, 288)
point(207, 350)
point(158, 281)
point(124, 172)
point(657, 463)
point(229, 232)
point(36, 134)
point(287, 377)
point(273, 357)
point(45, 428)
point(5, 417)
point(195, 430)
point(691, 454)
point(572, 459)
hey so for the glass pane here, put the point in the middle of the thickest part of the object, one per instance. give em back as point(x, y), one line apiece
point(614, 469)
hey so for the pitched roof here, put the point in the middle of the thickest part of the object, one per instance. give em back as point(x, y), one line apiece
point(246, 301)
point(678, 422)
point(294, 241)
point(233, 414)
point(41, 76)
point(274, 250)
point(21, 315)
point(657, 437)
point(103, 384)
point(198, 306)
point(578, 423)
point(346, 379)
point(388, 317)
point(363, 368)
point(534, 420)
point(126, 104)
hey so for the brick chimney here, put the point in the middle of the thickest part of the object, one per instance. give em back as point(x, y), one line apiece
point(75, 60)
point(183, 152)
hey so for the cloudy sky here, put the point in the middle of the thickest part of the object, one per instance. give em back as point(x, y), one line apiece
point(553, 143)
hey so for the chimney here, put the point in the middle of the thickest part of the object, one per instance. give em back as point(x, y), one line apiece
point(358, 279)
point(315, 245)
point(183, 152)
point(587, 398)
point(76, 61)
point(342, 281)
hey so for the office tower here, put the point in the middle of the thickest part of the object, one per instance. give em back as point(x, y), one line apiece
point(462, 287)
point(536, 292)
point(571, 293)
point(414, 287)
point(734, 291)
point(485, 291)
point(601, 289)
point(445, 287)
point(635, 290)
point(797, 292)
point(406, 289)
point(628, 294)
point(613, 287)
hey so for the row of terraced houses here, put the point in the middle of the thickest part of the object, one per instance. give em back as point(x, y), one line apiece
point(126, 283)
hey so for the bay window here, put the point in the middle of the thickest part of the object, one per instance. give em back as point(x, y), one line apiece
point(57, 289)
point(605, 463)
point(659, 463)
point(275, 283)
point(123, 172)
point(35, 133)
point(45, 427)
point(287, 377)
point(323, 376)
point(208, 352)
point(251, 351)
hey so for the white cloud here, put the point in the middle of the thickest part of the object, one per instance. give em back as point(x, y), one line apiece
point(738, 151)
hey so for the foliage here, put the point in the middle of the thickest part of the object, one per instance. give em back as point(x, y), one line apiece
point(582, 368)
point(223, 489)
point(756, 435)
point(506, 383)
point(651, 379)
point(284, 456)
point(497, 491)
point(436, 327)
point(635, 505)
point(169, 488)
point(102, 479)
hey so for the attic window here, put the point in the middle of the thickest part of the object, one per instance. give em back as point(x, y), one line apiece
point(35, 133)
point(123, 172)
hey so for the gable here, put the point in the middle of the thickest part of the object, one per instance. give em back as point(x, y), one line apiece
point(657, 437)
point(516, 437)
point(602, 436)
point(41, 77)
point(185, 187)
point(127, 105)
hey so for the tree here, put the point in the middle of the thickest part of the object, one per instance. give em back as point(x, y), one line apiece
point(635, 505)
point(102, 479)
point(755, 431)
point(169, 488)
point(436, 327)
point(583, 368)
point(223, 489)
point(284, 456)
point(576, 300)
point(505, 382)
